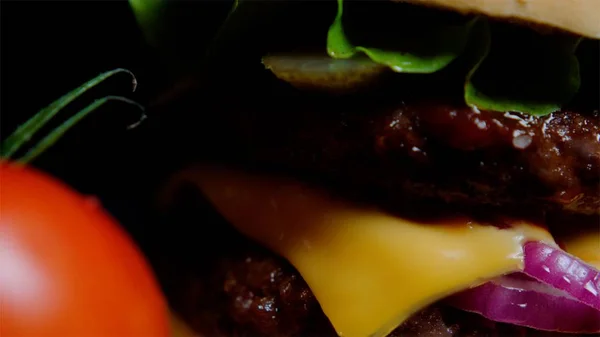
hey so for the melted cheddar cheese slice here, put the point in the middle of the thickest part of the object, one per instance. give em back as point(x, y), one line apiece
point(585, 245)
point(368, 270)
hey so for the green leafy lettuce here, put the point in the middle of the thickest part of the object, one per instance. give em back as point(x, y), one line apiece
point(521, 72)
point(443, 45)
point(510, 69)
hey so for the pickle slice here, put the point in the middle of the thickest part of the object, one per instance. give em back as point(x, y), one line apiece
point(323, 73)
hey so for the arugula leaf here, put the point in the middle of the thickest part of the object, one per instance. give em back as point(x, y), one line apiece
point(421, 51)
point(521, 72)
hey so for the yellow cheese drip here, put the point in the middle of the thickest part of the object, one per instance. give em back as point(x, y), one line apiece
point(585, 245)
point(368, 270)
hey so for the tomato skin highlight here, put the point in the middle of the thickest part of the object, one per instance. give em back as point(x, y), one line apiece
point(67, 268)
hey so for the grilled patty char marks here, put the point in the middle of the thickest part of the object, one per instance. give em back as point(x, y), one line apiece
point(433, 150)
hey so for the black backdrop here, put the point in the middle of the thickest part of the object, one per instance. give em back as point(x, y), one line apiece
point(51, 47)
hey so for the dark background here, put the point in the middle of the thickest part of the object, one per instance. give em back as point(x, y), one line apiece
point(50, 47)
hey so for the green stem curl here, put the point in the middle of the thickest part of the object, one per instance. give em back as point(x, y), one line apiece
point(27, 130)
point(58, 132)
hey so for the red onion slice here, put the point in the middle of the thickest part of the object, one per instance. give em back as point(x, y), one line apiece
point(528, 303)
point(563, 271)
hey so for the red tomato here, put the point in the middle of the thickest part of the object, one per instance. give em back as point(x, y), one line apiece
point(66, 267)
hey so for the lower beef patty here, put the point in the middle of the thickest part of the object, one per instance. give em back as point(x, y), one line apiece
point(252, 293)
point(222, 284)
point(431, 150)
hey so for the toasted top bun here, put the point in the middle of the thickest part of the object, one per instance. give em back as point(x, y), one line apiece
point(576, 16)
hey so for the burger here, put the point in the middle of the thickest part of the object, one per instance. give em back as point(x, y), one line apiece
point(391, 168)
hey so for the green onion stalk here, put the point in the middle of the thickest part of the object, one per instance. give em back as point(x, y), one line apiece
point(9, 148)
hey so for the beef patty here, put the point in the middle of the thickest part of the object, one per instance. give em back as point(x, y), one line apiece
point(222, 284)
point(418, 148)
point(255, 294)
